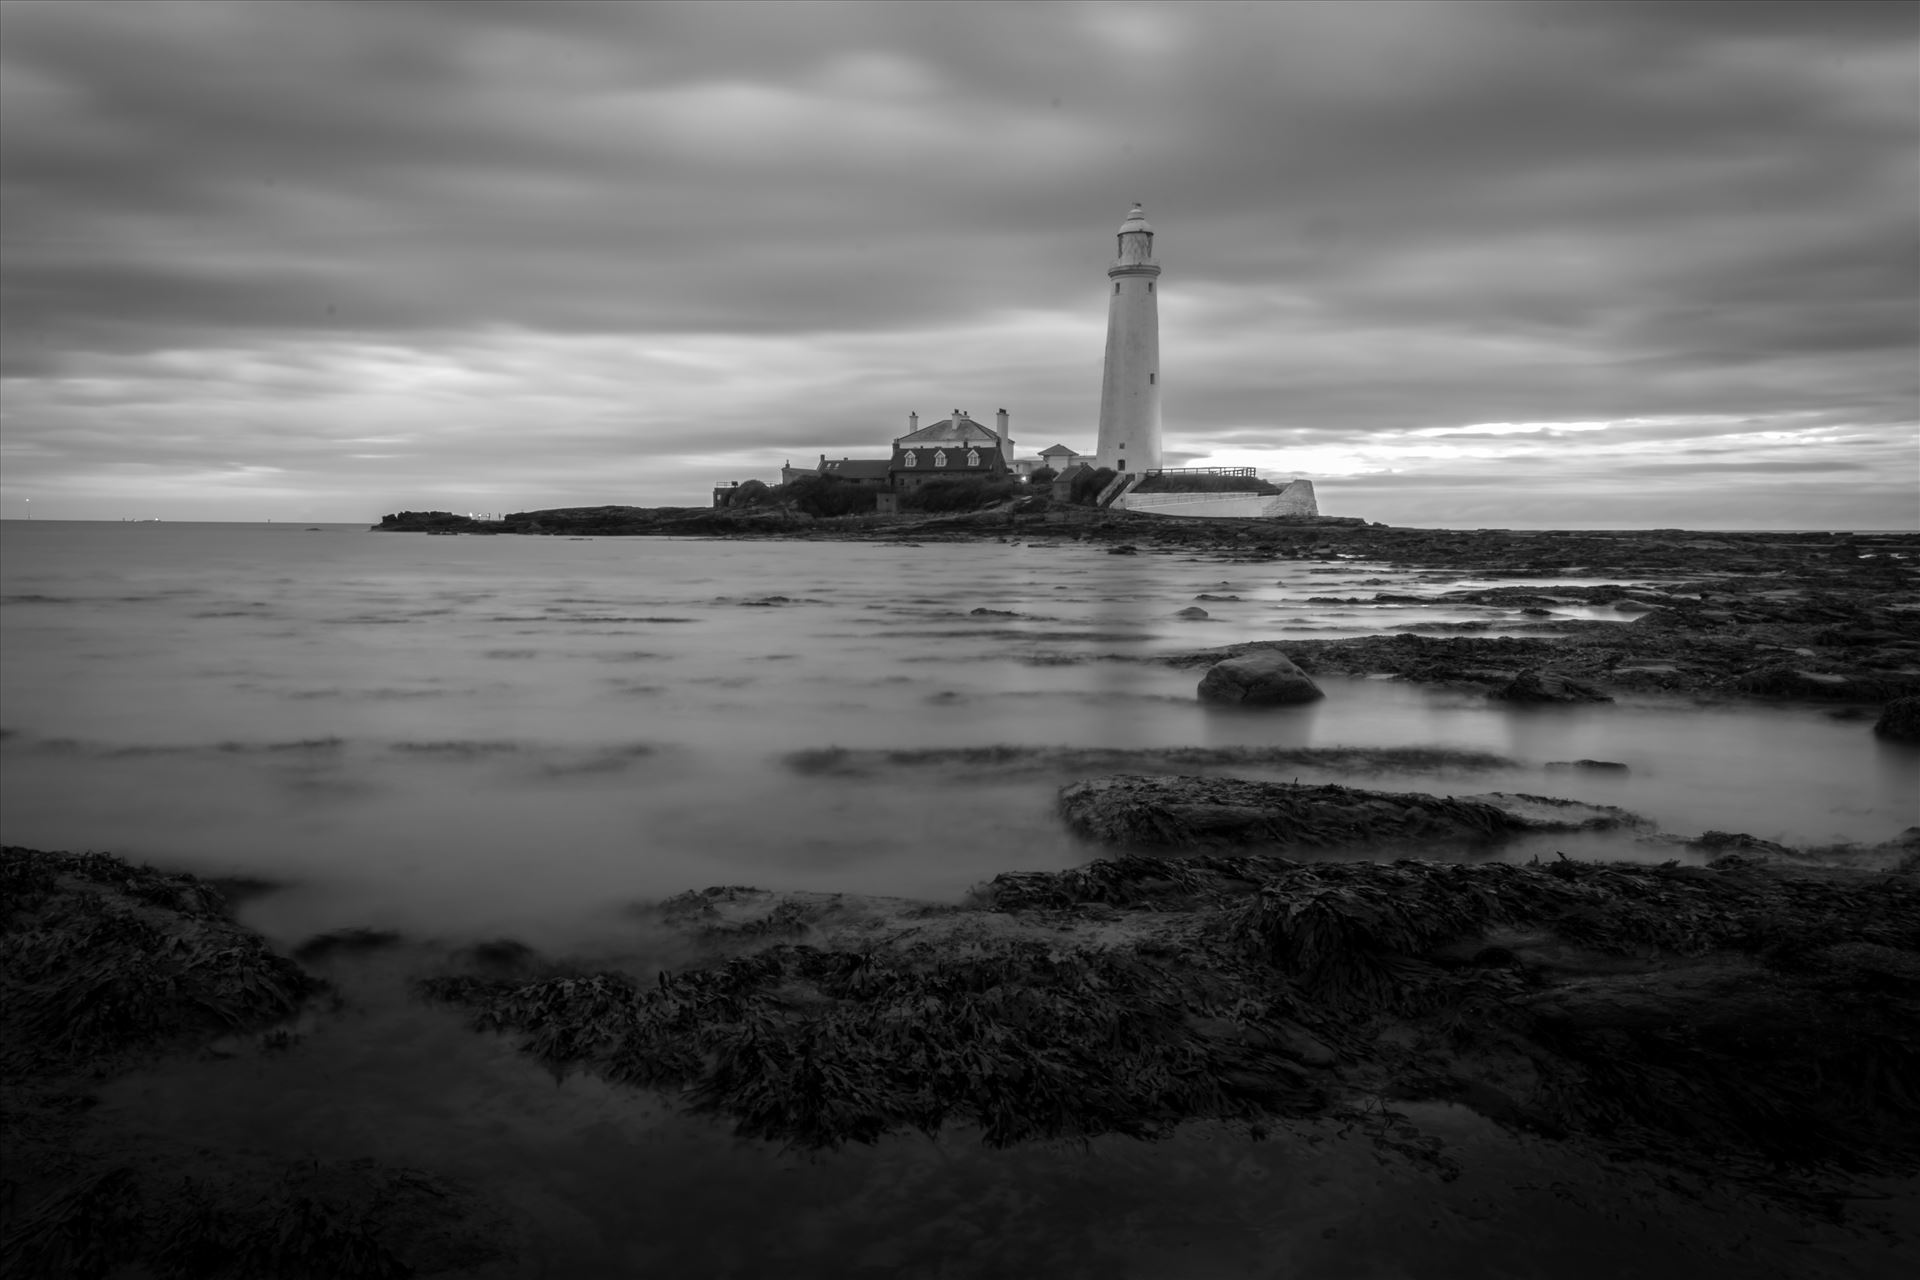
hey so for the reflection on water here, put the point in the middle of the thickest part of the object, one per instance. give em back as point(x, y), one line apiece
point(509, 734)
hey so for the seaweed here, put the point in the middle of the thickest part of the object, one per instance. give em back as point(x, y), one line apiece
point(1735, 1015)
point(104, 964)
point(822, 1047)
point(100, 959)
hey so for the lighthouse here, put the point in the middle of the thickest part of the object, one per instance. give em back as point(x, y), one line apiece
point(1130, 388)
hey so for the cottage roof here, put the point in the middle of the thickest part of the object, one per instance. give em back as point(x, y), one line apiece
point(1059, 450)
point(962, 430)
point(856, 468)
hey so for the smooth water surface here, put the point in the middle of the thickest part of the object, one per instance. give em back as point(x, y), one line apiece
point(479, 735)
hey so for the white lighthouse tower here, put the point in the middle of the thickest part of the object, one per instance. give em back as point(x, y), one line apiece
point(1130, 388)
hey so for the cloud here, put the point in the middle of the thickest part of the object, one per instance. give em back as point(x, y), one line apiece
point(564, 249)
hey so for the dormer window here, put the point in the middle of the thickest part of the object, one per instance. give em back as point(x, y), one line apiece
point(939, 457)
point(913, 459)
point(973, 457)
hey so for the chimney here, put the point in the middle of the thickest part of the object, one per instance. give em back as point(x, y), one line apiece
point(913, 423)
point(1006, 438)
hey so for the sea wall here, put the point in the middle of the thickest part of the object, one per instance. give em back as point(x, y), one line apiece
point(1296, 499)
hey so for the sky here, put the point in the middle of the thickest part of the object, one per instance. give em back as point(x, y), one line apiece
point(1481, 264)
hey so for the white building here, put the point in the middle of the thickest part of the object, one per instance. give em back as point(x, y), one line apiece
point(1130, 388)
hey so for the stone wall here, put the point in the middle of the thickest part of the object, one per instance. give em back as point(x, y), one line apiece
point(1295, 499)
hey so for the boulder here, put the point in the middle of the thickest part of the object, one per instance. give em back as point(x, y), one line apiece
point(1536, 685)
point(1900, 721)
point(1596, 766)
point(1264, 678)
point(1193, 611)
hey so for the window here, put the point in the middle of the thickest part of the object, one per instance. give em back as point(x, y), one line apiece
point(973, 457)
point(1153, 379)
point(1149, 286)
point(939, 457)
point(1120, 464)
point(1116, 286)
point(913, 459)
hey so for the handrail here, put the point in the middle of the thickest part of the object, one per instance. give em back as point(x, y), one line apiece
point(1117, 486)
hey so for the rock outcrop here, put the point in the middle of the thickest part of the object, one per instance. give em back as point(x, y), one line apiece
point(1177, 812)
point(1900, 721)
point(1734, 1018)
point(1262, 678)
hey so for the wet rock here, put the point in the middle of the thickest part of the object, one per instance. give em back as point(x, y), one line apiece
point(1205, 596)
point(1193, 611)
point(1124, 549)
point(1180, 812)
point(1782, 681)
point(1026, 761)
point(1537, 685)
point(106, 961)
point(1262, 678)
point(1900, 721)
point(324, 946)
point(1595, 766)
point(1740, 1018)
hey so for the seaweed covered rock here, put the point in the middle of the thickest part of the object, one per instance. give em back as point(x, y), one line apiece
point(1742, 1019)
point(1180, 812)
point(104, 964)
point(1022, 1037)
point(100, 960)
point(1900, 721)
point(1537, 685)
point(1260, 678)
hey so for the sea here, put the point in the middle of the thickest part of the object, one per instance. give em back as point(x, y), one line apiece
point(465, 738)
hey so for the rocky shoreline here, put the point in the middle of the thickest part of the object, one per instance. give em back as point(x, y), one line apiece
point(1235, 954)
point(1748, 1023)
point(1829, 617)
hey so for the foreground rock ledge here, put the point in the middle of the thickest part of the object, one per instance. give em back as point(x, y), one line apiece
point(1180, 812)
point(1740, 1020)
point(104, 966)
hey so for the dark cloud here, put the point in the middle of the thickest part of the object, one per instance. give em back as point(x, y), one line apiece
point(1375, 218)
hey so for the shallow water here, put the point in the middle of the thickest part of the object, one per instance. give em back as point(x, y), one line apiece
point(468, 737)
point(520, 735)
